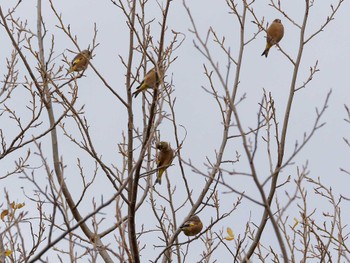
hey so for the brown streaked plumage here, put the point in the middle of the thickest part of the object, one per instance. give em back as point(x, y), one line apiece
point(274, 35)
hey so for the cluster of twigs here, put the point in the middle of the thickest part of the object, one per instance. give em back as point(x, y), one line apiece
point(50, 112)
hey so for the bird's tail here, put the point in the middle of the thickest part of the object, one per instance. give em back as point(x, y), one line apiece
point(159, 177)
point(158, 181)
point(136, 93)
point(267, 49)
point(138, 90)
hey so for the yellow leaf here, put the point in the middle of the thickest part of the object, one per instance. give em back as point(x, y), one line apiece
point(8, 252)
point(19, 206)
point(13, 205)
point(230, 236)
point(296, 222)
point(230, 232)
point(3, 214)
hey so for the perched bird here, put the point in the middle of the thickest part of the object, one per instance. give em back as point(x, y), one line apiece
point(164, 160)
point(275, 33)
point(80, 61)
point(151, 80)
point(192, 226)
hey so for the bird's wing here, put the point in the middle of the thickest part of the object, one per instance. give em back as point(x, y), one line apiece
point(77, 59)
point(160, 159)
point(187, 224)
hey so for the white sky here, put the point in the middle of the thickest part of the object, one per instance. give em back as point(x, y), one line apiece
point(196, 109)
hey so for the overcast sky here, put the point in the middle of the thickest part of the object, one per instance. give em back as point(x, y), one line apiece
point(195, 109)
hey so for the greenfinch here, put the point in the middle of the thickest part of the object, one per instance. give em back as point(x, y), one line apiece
point(274, 34)
point(164, 160)
point(192, 226)
point(151, 80)
point(80, 61)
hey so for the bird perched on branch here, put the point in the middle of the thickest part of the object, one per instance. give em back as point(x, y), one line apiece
point(151, 80)
point(80, 61)
point(192, 226)
point(274, 35)
point(164, 160)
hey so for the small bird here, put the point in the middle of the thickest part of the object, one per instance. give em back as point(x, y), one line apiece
point(192, 226)
point(80, 61)
point(151, 80)
point(275, 33)
point(164, 160)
